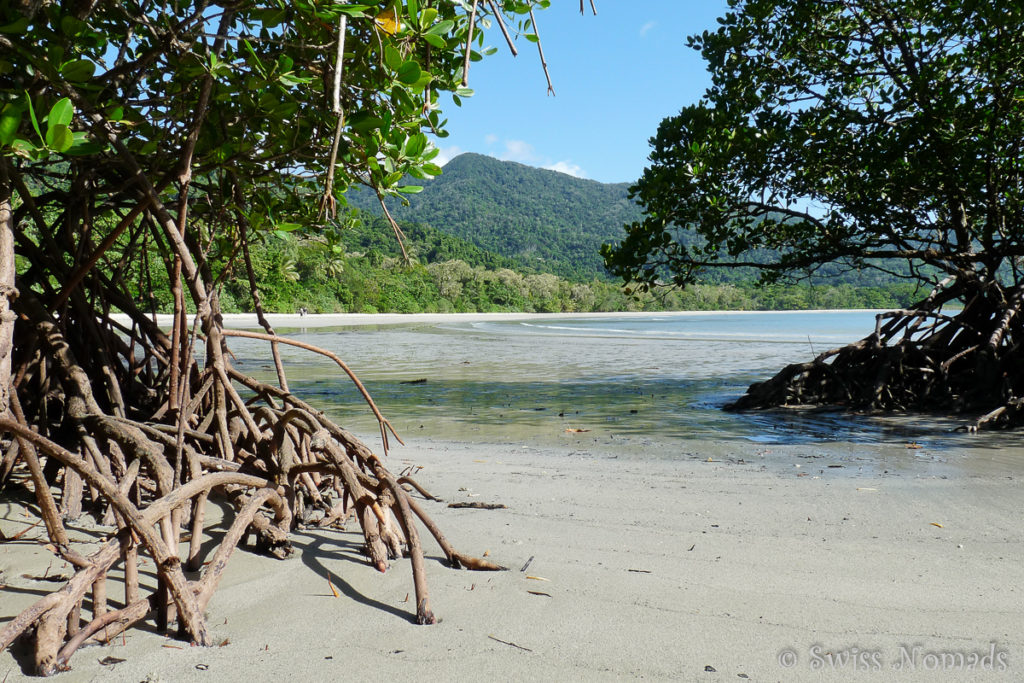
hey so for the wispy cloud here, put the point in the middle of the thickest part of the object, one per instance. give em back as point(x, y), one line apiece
point(568, 168)
point(447, 154)
point(647, 27)
point(525, 153)
point(491, 138)
point(519, 150)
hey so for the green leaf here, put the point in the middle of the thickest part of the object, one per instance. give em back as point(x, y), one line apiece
point(416, 144)
point(427, 16)
point(77, 71)
point(83, 146)
point(441, 28)
point(287, 227)
point(403, 98)
point(59, 138)
point(60, 113)
point(414, 8)
point(290, 79)
point(10, 120)
point(32, 116)
point(436, 41)
point(23, 148)
point(255, 60)
point(354, 10)
point(17, 26)
point(432, 169)
point(410, 189)
point(392, 58)
point(409, 72)
point(363, 122)
point(72, 26)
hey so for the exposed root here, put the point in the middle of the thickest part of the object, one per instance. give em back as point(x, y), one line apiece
point(919, 360)
point(271, 456)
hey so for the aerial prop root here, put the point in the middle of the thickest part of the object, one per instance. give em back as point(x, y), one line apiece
point(916, 359)
point(296, 443)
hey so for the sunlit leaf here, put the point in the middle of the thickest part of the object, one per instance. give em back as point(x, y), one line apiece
point(441, 28)
point(388, 21)
point(59, 138)
point(416, 144)
point(23, 148)
point(10, 120)
point(435, 41)
point(60, 113)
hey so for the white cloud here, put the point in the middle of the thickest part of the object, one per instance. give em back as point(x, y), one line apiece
point(518, 150)
point(491, 138)
point(647, 27)
point(525, 153)
point(447, 154)
point(568, 168)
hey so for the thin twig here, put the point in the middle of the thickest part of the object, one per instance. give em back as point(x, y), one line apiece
point(540, 50)
point(504, 31)
point(469, 43)
point(399, 235)
point(328, 206)
point(505, 642)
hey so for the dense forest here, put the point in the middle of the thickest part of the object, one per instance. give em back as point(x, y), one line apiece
point(360, 269)
point(550, 220)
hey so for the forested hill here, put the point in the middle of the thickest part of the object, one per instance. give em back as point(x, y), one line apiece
point(548, 220)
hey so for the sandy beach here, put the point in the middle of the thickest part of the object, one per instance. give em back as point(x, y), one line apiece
point(629, 557)
point(633, 569)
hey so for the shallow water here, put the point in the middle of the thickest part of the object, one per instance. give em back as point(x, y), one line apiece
point(650, 384)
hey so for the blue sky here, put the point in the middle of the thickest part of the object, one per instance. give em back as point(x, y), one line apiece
point(616, 76)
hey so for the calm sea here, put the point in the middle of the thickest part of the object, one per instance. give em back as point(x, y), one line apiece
point(654, 382)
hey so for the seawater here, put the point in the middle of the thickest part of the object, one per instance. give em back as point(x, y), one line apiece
point(653, 382)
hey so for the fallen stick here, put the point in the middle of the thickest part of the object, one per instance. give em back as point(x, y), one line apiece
point(479, 506)
point(505, 642)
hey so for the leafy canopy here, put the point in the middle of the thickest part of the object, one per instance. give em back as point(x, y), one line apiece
point(880, 133)
point(245, 107)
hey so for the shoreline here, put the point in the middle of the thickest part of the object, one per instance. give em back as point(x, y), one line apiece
point(619, 568)
point(316, 320)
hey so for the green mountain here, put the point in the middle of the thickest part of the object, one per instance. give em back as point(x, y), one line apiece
point(536, 220)
point(547, 221)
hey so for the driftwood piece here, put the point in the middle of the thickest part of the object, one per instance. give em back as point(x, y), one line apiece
point(477, 505)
